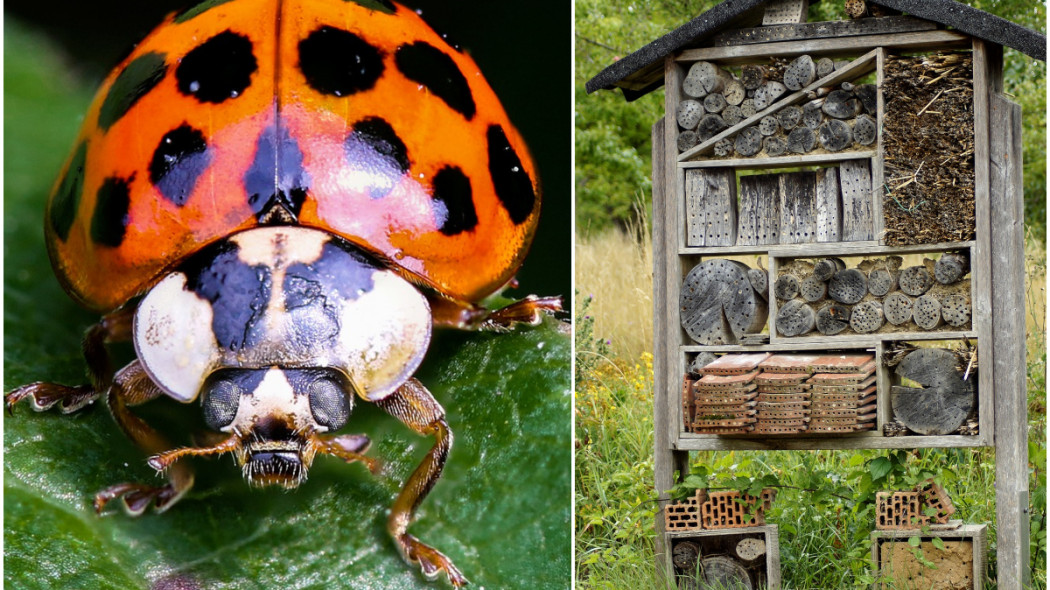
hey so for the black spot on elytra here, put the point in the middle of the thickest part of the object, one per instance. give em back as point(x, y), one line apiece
point(62, 211)
point(434, 69)
point(513, 185)
point(134, 81)
point(238, 294)
point(178, 162)
point(276, 177)
point(338, 62)
point(217, 70)
point(197, 9)
point(109, 222)
point(383, 6)
point(374, 149)
point(452, 190)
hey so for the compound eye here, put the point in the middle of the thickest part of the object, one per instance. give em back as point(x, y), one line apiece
point(220, 403)
point(330, 403)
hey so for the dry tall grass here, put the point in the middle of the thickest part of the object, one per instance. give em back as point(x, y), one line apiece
point(616, 269)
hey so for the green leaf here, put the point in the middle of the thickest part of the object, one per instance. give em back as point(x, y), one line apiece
point(938, 543)
point(879, 467)
point(914, 541)
point(501, 511)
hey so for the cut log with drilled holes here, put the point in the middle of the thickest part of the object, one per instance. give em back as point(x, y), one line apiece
point(956, 310)
point(751, 548)
point(689, 113)
point(723, 147)
point(864, 130)
point(714, 103)
point(825, 268)
point(759, 282)
point(832, 319)
point(829, 205)
point(747, 108)
point(858, 218)
point(951, 267)
point(840, 105)
point(800, 73)
point(927, 312)
point(915, 280)
point(848, 286)
point(719, 571)
point(856, 8)
point(753, 76)
point(801, 140)
point(835, 135)
point(868, 95)
point(866, 317)
point(734, 92)
point(768, 125)
point(795, 318)
point(813, 114)
point(786, 286)
point(825, 66)
point(798, 208)
point(768, 94)
point(789, 117)
point(812, 289)
point(944, 400)
point(898, 308)
point(775, 146)
point(748, 142)
point(881, 281)
point(718, 304)
point(686, 140)
point(710, 126)
point(685, 554)
point(709, 77)
point(758, 215)
point(710, 207)
point(732, 115)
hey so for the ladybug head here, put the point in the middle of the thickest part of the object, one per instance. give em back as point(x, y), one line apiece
point(275, 416)
point(276, 329)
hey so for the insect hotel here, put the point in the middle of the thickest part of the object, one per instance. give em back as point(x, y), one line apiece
point(837, 237)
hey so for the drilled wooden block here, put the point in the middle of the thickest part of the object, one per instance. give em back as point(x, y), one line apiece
point(785, 12)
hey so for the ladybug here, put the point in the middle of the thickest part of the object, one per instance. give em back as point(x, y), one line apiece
point(276, 203)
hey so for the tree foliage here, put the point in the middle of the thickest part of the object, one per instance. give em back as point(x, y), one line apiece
point(613, 157)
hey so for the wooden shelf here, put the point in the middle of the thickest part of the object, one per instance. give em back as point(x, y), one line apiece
point(817, 249)
point(806, 442)
point(780, 162)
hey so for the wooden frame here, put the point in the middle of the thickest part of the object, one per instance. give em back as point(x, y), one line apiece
point(996, 275)
point(976, 534)
point(770, 535)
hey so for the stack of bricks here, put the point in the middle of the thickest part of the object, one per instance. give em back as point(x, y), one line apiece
point(718, 510)
point(911, 510)
point(782, 394)
point(843, 394)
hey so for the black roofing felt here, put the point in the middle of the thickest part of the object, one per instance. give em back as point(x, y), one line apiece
point(964, 18)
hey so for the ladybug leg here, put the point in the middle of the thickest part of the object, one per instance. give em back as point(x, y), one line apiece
point(115, 327)
point(131, 387)
point(451, 313)
point(415, 407)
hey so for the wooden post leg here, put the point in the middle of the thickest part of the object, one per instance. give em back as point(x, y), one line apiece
point(1011, 401)
point(416, 408)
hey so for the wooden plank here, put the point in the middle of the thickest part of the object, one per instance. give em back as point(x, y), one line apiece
point(804, 442)
point(769, 533)
point(758, 218)
point(780, 161)
point(798, 207)
point(860, 66)
point(1008, 324)
point(710, 203)
point(830, 249)
point(883, 25)
point(841, 46)
point(878, 169)
point(857, 210)
point(829, 205)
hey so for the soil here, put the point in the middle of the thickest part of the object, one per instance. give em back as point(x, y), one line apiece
point(952, 567)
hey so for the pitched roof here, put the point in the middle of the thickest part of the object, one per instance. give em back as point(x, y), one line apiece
point(631, 73)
